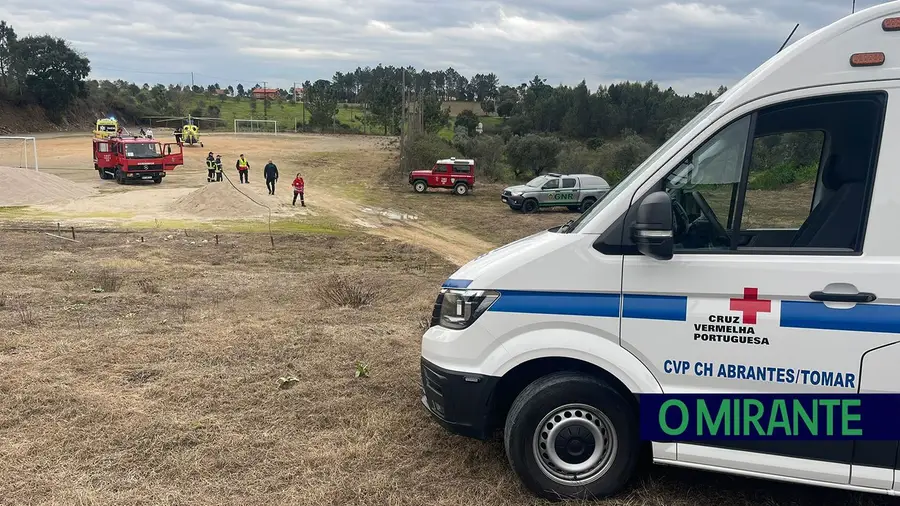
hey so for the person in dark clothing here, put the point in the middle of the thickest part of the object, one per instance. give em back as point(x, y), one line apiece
point(218, 168)
point(210, 168)
point(271, 173)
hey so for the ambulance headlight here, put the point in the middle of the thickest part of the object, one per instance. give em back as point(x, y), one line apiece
point(460, 308)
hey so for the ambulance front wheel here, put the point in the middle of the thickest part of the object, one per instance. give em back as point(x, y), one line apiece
point(572, 436)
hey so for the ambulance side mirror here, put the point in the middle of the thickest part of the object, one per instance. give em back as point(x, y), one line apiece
point(652, 232)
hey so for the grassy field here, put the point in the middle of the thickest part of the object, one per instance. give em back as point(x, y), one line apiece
point(480, 213)
point(177, 371)
point(153, 366)
point(285, 112)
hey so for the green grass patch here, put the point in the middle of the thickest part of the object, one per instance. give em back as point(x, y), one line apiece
point(783, 175)
point(285, 113)
point(278, 226)
point(14, 211)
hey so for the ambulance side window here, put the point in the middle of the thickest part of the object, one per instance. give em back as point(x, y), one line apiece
point(782, 180)
point(801, 183)
point(811, 175)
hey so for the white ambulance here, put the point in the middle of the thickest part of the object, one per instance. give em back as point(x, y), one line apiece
point(757, 250)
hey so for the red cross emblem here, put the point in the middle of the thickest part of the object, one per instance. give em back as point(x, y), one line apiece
point(750, 305)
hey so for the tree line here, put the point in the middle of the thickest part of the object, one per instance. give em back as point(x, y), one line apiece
point(42, 70)
point(529, 128)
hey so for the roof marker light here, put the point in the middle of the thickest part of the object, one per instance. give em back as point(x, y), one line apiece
point(890, 24)
point(867, 59)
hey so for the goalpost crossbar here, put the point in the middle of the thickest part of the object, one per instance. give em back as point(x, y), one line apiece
point(25, 147)
point(252, 122)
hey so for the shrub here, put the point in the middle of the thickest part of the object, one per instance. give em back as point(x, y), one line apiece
point(108, 281)
point(533, 154)
point(345, 291)
point(783, 175)
point(148, 286)
point(424, 149)
point(487, 150)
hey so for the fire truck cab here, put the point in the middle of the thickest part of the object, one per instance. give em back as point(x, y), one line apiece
point(135, 158)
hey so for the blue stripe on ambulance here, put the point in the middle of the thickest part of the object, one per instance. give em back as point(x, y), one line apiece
point(794, 314)
point(654, 307)
point(456, 283)
point(859, 318)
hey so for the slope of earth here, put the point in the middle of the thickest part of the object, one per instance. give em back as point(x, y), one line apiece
point(21, 187)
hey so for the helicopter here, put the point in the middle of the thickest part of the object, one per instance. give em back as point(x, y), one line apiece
point(189, 133)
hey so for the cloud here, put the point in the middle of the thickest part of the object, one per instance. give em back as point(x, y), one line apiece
point(692, 45)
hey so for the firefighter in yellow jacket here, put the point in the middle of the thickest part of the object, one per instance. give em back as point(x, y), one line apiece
point(243, 168)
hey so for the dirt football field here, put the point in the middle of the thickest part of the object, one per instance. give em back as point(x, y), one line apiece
point(200, 343)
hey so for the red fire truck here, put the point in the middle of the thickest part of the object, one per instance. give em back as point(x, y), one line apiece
point(135, 158)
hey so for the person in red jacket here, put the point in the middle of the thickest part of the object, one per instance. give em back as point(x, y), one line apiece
point(298, 190)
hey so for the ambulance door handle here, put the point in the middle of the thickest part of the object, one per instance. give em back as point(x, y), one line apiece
point(842, 297)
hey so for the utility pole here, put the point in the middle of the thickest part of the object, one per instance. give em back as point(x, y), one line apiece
point(265, 101)
point(192, 82)
point(402, 114)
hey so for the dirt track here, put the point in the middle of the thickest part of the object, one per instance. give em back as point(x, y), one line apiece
point(327, 163)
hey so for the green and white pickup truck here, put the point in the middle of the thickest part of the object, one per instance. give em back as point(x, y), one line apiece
point(577, 192)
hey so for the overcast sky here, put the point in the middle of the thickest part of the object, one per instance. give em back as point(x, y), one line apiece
point(692, 46)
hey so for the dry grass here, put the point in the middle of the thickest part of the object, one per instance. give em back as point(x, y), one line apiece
point(148, 286)
point(371, 178)
point(180, 398)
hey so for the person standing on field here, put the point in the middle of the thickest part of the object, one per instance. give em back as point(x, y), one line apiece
point(298, 190)
point(243, 167)
point(210, 167)
point(271, 173)
point(218, 168)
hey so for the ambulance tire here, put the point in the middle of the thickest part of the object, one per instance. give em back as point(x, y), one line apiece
point(585, 407)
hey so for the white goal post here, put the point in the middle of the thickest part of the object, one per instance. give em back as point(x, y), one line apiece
point(15, 152)
point(256, 126)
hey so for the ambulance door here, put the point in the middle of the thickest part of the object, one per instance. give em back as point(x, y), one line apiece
point(877, 463)
point(769, 288)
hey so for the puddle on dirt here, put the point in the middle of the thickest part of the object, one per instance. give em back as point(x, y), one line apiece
point(390, 214)
point(364, 223)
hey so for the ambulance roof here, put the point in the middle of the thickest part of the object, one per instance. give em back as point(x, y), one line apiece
point(823, 57)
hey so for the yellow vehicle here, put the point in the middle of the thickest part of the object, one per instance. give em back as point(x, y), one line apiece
point(190, 134)
point(106, 128)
